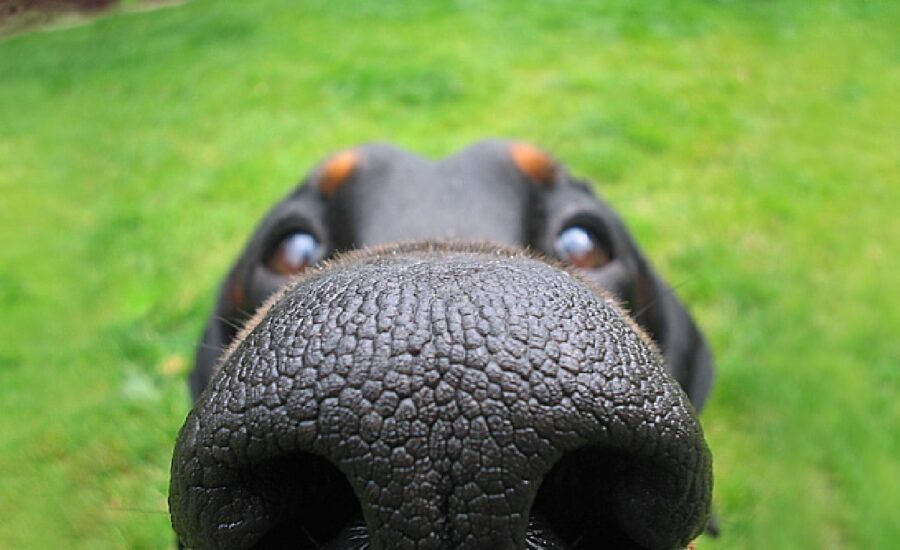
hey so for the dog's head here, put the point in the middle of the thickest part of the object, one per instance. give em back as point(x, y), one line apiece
point(454, 390)
point(493, 191)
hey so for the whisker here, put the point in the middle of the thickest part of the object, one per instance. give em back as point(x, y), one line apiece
point(211, 347)
point(669, 289)
point(229, 322)
point(246, 313)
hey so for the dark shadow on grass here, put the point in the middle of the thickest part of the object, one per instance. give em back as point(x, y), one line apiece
point(21, 16)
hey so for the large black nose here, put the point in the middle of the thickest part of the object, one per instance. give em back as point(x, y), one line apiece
point(440, 397)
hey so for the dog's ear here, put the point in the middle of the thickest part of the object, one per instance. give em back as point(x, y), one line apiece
point(655, 306)
point(661, 313)
point(223, 324)
point(582, 230)
point(290, 237)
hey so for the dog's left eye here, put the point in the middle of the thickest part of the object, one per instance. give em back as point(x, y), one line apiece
point(580, 247)
point(294, 254)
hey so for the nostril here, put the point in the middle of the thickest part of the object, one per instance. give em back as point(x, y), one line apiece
point(309, 501)
point(597, 498)
point(574, 499)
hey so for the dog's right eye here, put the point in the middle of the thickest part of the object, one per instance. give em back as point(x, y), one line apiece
point(580, 247)
point(294, 253)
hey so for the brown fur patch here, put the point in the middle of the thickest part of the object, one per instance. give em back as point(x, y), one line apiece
point(534, 163)
point(237, 296)
point(336, 171)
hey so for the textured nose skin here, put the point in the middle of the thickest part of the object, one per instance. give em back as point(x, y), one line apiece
point(444, 385)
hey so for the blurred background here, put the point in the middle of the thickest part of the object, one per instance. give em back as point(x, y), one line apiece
point(751, 146)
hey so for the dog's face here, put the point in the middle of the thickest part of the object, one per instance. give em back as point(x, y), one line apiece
point(455, 391)
point(494, 191)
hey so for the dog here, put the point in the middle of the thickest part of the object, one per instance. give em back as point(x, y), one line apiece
point(495, 207)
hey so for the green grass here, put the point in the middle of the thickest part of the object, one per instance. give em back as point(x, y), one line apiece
point(751, 146)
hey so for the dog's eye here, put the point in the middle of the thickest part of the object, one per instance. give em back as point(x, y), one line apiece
point(294, 253)
point(580, 247)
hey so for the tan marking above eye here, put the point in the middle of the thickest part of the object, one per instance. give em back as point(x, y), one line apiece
point(237, 296)
point(336, 171)
point(533, 162)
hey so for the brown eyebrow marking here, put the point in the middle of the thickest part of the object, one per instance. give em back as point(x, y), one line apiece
point(336, 171)
point(237, 296)
point(533, 162)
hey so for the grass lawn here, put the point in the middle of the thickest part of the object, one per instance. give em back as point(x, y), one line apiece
point(751, 146)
